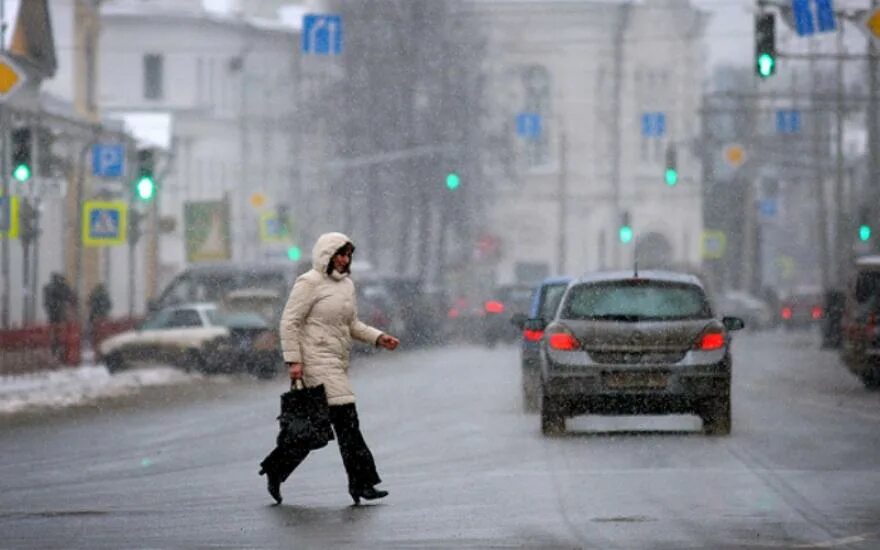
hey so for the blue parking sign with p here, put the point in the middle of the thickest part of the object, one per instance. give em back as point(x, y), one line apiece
point(108, 160)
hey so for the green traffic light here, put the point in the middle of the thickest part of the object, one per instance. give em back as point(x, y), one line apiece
point(864, 232)
point(145, 188)
point(626, 234)
point(22, 173)
point(765, 65)
point(671, 177)
point(294, 253)
point(452, 181)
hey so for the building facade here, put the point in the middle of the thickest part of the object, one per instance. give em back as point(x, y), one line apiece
point(228, 86)
point(593, 72)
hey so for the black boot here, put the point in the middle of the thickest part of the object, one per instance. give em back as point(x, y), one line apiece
point(273, 485)
point(370, 493)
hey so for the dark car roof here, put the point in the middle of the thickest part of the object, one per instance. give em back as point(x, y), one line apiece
point(652, 275)
point(239, 267)
point(868, 261)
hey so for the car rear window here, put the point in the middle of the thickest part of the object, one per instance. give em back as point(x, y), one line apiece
point(236, 319)
point(868, 286)
point(550, 303)
point(636, 300)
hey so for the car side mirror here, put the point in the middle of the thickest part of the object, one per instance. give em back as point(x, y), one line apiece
point(518, 320)
point(733, 323)
point(536, 324)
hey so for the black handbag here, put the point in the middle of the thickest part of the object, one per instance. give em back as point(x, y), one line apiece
point(304, 418)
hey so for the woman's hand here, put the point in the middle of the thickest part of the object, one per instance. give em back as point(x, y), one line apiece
point(388, 342)
point(295, 370)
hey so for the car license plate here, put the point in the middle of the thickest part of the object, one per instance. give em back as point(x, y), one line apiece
point(635, 380)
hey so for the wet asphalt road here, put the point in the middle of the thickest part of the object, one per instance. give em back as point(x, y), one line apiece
point(466, 468)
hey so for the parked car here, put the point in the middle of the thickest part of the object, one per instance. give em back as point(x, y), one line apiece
point(198, 337)
point(861, 322)
point(627, 344)
point(505, 302)
point(545, 300)
point(752, 310)
point(415, 312)
point(801, 308)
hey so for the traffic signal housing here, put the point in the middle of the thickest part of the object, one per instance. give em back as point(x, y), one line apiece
point(145, 181)
point(625, 231)
point(453, 181)
point(671, 173)
point(765, 45)
point(22, 164)
point(865, 226)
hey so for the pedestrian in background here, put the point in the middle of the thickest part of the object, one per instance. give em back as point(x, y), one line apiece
point(59, 301)
point(100, 306)
point(317, 327)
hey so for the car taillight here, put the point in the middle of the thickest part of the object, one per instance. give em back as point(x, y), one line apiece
point(816, 313)
point(563, 341)
point(786, 313)
point(453, 313)
point(709, 341)
point(494, 306)
point(533, 335)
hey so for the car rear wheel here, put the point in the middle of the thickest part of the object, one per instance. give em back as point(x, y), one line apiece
point(114, 362)
point(552, 419)
point(716, 416)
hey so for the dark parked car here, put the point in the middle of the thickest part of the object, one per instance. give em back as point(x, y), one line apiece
point(505, 302)
point(645, 344)
point(545, 300)
point(861, 322)
point(802, 308)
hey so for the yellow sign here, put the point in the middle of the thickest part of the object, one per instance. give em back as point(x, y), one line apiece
point(258, 200)
point(714, 244)
point(11, 77)
point(872, 23)
point(13, 216)
point(104, 223)
point(735, 155)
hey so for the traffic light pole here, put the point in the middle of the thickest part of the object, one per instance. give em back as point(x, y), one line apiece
point(4, 185)
point(561, 197)
point(873, 137)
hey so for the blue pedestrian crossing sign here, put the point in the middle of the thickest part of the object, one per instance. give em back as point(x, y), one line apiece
point(322, 34)
point(788, 121)
point(273, 229)
point(104, 223)
point(812, 16)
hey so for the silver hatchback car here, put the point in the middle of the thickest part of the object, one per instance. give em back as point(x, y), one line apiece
point(647, 343)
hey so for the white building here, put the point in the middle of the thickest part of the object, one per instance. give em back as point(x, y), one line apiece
point(591, 70)
point(228, 85)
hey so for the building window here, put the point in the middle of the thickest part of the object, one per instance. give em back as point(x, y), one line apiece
point(153, 76)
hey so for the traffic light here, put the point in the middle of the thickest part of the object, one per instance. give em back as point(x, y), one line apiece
point(865, 229)
point(452, 181)
point(135, 232)
point(625, 232)
point(22, 167)
point(765, 44)
point(671, 173)
point(294, 253)
point(145, 181)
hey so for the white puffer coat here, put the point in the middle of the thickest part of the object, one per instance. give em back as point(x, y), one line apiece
point(319, 322)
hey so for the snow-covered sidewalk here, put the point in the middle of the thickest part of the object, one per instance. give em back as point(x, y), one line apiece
point(56, 389)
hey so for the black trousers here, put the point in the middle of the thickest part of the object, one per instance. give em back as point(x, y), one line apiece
point(357, 458)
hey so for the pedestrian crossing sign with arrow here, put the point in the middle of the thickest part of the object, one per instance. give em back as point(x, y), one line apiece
point(104, 223)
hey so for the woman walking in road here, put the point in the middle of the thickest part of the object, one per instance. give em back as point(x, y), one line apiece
point(317, 327)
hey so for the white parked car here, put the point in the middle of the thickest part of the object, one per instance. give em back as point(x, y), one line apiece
point(198, 337)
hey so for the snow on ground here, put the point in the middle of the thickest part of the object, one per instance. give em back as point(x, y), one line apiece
point(61, 388)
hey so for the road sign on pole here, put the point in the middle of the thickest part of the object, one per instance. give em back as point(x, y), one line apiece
point(810, 19)
point(9, 217)
point(12, 77)
point(104, 223)
point(788, 121)
point(714, 244)
point(108, 160)
point(734, 155)
point(274, 229)
point(871, 24)
point(653, 124)
point(322, 34)
point(528, 125)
